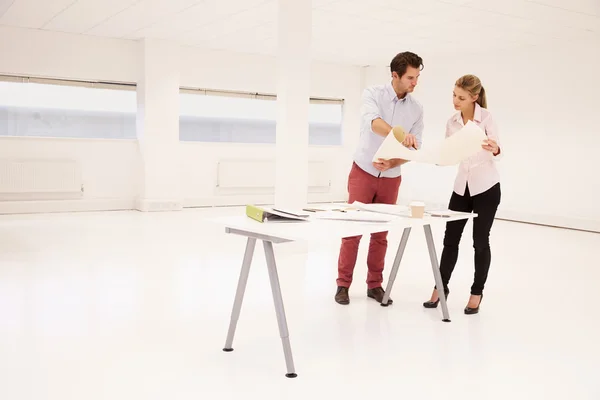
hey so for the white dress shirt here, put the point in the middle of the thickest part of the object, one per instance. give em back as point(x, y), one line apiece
point(381, 101)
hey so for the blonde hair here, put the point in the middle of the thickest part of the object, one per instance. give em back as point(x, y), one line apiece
point(473, 85)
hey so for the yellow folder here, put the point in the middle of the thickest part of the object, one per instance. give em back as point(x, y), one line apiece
point(262, 214)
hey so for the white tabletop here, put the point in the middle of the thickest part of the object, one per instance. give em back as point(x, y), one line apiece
point(323, 229)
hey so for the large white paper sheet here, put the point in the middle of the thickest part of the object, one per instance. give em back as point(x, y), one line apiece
point(451, 151)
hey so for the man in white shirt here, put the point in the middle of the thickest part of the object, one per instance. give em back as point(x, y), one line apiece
point(384, 106)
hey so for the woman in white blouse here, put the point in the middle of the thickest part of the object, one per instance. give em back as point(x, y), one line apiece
point(476, 189)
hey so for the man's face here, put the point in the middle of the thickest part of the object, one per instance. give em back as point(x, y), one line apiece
point(408, 81)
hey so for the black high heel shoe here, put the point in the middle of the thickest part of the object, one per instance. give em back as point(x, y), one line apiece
point(471, 311)
point(434, 304)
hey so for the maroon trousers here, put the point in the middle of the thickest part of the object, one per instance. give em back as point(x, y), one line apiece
point(367, 189)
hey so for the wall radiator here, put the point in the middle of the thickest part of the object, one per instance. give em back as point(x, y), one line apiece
point(260, 174)
point(40, 179)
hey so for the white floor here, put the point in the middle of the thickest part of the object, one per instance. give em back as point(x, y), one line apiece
point(128, 305)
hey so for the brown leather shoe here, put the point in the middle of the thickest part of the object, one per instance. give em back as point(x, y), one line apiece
point(341, 296)
point(377, 294)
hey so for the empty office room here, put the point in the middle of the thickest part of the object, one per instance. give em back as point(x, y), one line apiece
point(259, 199)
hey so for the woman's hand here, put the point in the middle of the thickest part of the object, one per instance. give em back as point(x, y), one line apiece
point(491, 146)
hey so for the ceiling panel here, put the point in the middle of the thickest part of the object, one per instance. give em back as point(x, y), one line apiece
point(175, 26)
point(240, 23)
point(591, 7)
point(33, 13)
point(5, 5)
point(352, 7)
point(565, 34)
point(476, 17)
point(141, 15)
point(456, 2)
point(344, 31)
point(403, 14)
point(539, 12)
point(319, 3)
point(382, 18)
point(456, 32)
point(85, 14)
point(335, 21)
point(406, 9)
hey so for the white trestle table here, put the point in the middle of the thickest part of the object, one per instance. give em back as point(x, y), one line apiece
point(319, 230)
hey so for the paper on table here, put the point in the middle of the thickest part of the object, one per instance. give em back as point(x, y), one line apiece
point(354, 215)
point(391, 209)
point(402, 211)
point(451, 151)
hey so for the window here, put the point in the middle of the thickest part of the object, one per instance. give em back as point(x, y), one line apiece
point(207, 116)
point(67, 109)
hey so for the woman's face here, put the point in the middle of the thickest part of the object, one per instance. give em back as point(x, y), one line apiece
point(462, 99)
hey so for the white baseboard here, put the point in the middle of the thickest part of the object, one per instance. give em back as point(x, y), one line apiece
point(242, 200)
point(226, 201)
point(550, 220)
point(52, 206)
point(531, 218)
point(148, 205)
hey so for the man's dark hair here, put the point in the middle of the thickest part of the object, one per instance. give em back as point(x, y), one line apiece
point(402, 60)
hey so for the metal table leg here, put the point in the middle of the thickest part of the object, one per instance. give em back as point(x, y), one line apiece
point(395, 266)
point(279, 309)
point(239, 294)
point(436, 272)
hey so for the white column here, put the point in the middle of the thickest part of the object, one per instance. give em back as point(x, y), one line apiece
point(158, 126)
point(293, 96)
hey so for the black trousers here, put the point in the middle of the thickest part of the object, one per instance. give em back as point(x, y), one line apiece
point(485, 206)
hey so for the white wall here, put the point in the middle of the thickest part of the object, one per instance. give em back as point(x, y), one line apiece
point(228, 71)
point(111, 166)
point(110, 171)
point(545, 103)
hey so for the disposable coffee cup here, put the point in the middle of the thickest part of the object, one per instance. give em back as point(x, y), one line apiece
point(417, 209)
